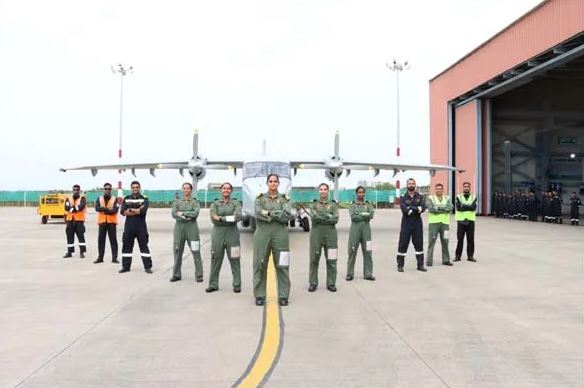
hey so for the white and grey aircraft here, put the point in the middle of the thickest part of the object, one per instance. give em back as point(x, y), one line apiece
point(256, 170)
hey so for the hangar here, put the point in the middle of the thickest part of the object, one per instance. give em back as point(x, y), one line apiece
point(511, 112)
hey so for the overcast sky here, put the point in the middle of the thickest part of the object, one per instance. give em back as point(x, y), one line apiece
point(290, 72)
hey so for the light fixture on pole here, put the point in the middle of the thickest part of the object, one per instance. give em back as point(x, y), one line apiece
point(122, 71)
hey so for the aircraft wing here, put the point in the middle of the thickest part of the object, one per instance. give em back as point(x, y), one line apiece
point(372, 166)
point(184, 165)
point(129, 166)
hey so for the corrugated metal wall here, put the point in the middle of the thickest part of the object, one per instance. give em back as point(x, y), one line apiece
point(548, 25)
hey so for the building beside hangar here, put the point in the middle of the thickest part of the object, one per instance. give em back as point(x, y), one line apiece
point(511, 112)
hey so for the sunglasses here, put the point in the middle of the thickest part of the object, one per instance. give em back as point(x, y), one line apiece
point(107, 189)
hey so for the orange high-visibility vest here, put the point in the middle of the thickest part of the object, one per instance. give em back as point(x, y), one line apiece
point(80, 215)
point(103, 218)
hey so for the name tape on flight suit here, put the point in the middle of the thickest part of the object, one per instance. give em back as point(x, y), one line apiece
point(284, 259)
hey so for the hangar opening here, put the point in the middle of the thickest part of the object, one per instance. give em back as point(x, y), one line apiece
point(538, 133)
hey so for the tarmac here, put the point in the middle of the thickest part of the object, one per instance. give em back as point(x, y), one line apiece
point(514, 319)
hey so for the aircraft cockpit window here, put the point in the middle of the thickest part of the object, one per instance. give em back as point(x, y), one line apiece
point(282, 169)
point(262, 169)
point(253, 170)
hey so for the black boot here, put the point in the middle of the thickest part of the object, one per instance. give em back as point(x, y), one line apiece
point(400, 263)
point(420, 262)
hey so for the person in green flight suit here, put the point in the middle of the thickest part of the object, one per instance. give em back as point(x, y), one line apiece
point(272, 212)
point(361, 213)
point(185, 211)
point(324, 215)
point(225, 214)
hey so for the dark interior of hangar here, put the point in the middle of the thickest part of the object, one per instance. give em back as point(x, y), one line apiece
point(538, 133)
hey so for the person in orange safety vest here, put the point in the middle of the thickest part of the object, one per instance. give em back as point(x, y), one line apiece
point(106, 207)
point(75, 218)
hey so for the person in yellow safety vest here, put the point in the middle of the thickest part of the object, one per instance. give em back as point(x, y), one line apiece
point(75, 219)
point(439, 208)
point(106, 207)
point(466, 207)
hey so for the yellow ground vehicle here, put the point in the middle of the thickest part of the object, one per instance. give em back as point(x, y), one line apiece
point(51, 206)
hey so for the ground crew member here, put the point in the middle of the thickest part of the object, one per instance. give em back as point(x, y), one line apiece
point(135, 207)
point(557, 208)
point(324, 215)
point(225, 214)
point(107, 208)
point(439, 208)
point(75, 220)
point(412, 206)
point(575, 204)
point(466, 207)
point(546, 206)
point(512, 206)
point(272, 212)
point(531, 206)
point(521, 206)
point(361, 213)
point(185, 211)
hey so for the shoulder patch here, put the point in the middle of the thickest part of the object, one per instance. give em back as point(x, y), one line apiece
point(285, 196)
point(260, 195)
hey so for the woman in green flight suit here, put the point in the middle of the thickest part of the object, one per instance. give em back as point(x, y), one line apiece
point(225, 214)
point(361, 213)
point(185, 211)
point(324, 215)
point(272, 212)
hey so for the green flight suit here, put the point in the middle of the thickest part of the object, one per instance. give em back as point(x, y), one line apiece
point(438, 225)
point(186, 230)
point(325, 216)
point(271, 236)
point(360, 233)
point(225, 238)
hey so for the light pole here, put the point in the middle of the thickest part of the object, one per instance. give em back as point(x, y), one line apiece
point(397, 67)
point(122, 71)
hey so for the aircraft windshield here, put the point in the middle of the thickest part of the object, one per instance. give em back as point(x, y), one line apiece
point(259, 169)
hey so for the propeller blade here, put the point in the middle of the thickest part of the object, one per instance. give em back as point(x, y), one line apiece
point(196, 143)
point(337, 145)
point(336, 188)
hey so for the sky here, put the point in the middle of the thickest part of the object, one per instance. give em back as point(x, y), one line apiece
point(289, 72)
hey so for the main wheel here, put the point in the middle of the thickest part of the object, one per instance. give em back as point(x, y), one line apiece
point(252, 224)
point(245, 222)
point(44, 219)
point(292, 223)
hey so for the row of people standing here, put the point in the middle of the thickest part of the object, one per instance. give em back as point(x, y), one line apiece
point(413, 204)
point(521, 206)
point(273, 212)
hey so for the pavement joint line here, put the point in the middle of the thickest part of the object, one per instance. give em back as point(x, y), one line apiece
point(96, 324)
point(271, 342)
point(394, 330)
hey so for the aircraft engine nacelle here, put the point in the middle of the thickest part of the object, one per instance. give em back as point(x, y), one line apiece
point(333, 173)
point(198, 172)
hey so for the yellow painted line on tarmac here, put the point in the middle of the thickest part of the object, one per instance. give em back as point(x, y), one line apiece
point(270, 344)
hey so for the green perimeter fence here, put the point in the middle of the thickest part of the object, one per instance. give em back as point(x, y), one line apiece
point(162, 198)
